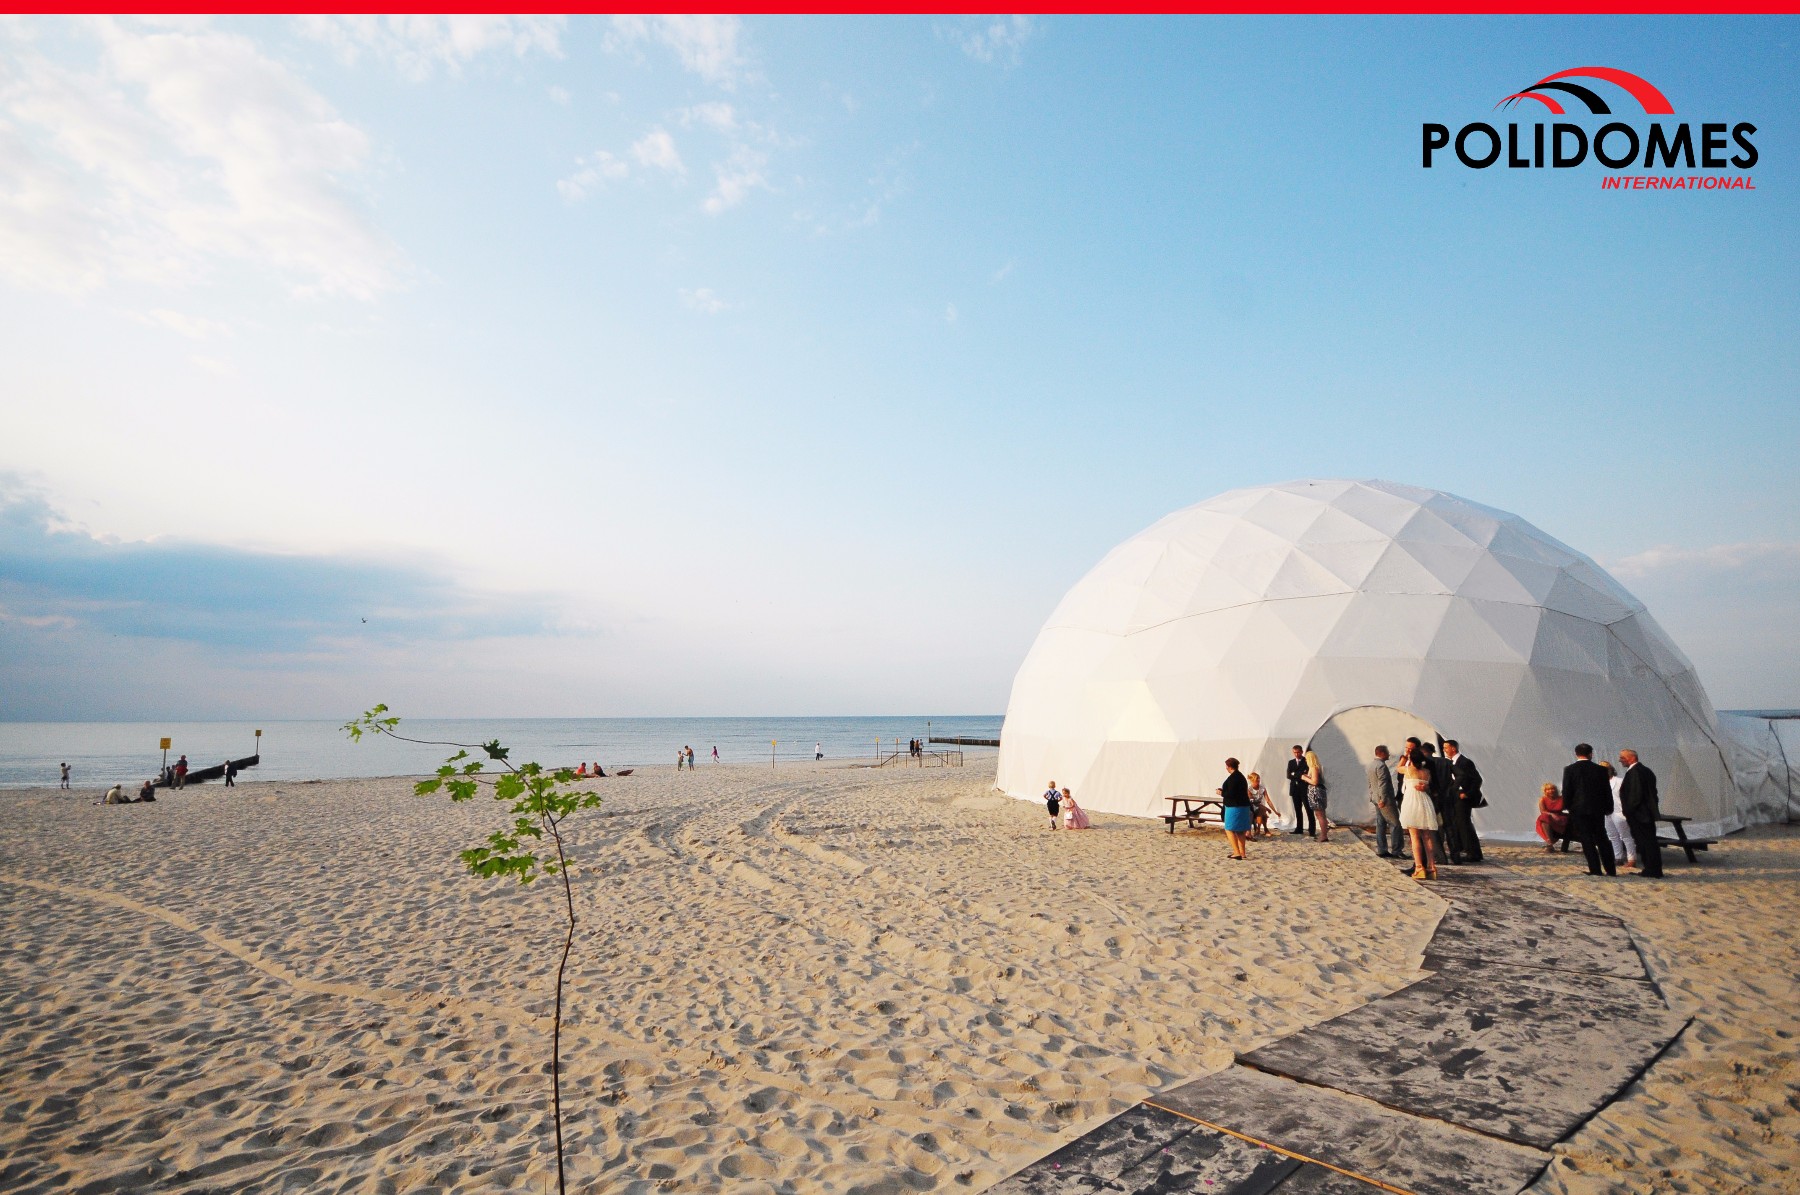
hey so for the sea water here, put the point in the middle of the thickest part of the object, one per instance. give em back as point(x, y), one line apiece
point(101, 754)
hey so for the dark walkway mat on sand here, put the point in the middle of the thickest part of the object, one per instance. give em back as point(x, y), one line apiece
point(1534, 1020)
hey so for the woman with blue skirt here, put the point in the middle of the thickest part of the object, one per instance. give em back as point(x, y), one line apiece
point(1236, 795)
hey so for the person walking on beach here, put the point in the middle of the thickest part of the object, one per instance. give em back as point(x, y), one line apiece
point(1637, 797)
point(1589, 798)
point(1387, 807)
point(230, 774)
point(65, 776)
point(818, 752)
point(715, 753)
point(1316, 795)
point(1053, 802)
point(1418, 816)
point(181, 770)
point(1076, 815)
point(1235, 795)
point(1296, 780)
point(1465, 799)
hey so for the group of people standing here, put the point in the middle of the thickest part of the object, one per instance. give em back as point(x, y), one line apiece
point(1429, 798)
point(1611, 813)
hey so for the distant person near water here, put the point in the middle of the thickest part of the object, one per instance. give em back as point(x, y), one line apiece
point(1053, 802)
point(1235, 793)
point(818, 751)
point(148, 792)
point(715, 753)
point(65, 776)
point(181, 771)
point(231, 770)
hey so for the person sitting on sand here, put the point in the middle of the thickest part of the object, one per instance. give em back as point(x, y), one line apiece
point(1262, 807)
point(1053, 802)
point(598, 770)
point(1078, 818)
point(1552, 819)
point(582, 770)
point(116, 796)
point(148, 792)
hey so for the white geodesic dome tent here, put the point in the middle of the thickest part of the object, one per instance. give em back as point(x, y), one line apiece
point(1335, 614)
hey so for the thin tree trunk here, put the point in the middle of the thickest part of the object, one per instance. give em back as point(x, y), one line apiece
point(556, 1026)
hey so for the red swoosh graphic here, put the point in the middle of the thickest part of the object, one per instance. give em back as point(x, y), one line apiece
point(1532, 95)
point(1655, 103)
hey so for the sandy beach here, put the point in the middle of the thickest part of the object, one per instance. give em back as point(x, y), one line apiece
point(799, 978)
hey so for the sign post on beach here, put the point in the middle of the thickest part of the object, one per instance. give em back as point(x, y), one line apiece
point(259, 743)
point(165, 751)
point(771, 752)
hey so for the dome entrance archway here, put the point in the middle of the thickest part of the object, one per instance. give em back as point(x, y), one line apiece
point(1346, 745)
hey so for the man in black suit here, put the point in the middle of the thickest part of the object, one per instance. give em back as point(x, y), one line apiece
point(1587, 791)
point(1637, 798)
point(1442, 794)
point(1465, 799)
point(1296, 776)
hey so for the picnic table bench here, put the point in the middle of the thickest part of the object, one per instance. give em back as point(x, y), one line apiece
point(1688, 845)
point(1195, 811)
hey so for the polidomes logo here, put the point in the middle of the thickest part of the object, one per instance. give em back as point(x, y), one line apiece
point(1616, 145)
point(1651, 100)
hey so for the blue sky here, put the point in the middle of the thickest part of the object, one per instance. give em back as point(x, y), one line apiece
point(707, 366)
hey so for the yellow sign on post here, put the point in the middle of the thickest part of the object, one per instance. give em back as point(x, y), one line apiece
point(165, 744)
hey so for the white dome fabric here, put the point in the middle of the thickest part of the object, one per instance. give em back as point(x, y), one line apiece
point(1244, 624)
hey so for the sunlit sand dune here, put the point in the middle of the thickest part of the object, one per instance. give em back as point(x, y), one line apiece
point(786, 979)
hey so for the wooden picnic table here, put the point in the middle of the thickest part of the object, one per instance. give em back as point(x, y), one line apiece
point(1195, 811)
point(1688, 845)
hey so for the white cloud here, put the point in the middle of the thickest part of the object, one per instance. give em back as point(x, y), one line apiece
point(736, 177)
point(999, 275)
point(178, 153)
point(706, 44)
point(950, 313)
point(1718, 558)
point(591, 174)
point(416, 44)
point(715, 114)
point(214, 366)
point(194, 327)
point(656, 148)
point(993, 39)
point(560, 95)
point(704, 301)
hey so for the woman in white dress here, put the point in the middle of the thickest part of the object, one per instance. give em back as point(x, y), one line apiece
point(1418, 816)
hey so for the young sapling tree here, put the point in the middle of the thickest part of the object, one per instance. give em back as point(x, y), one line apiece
point(539, 802)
